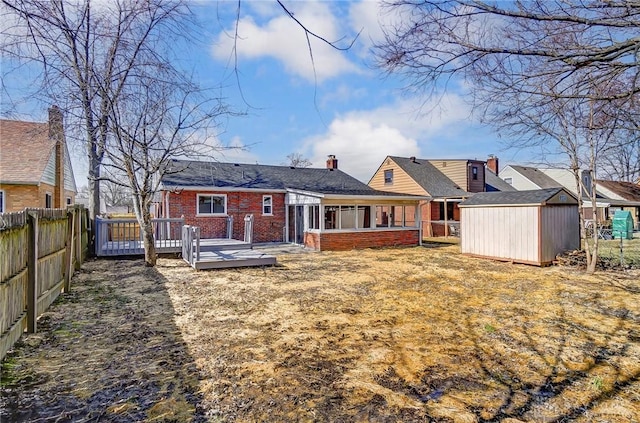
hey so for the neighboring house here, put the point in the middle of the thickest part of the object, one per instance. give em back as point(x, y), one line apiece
point(35, 166)
point(622, 196)
point(324, 209)
point(525, 178)
point(493, 183)
point(445, 182)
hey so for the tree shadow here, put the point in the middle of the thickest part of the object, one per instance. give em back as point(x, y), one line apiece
point(107, 350)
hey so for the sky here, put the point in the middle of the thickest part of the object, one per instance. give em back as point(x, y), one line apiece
point(339, 104)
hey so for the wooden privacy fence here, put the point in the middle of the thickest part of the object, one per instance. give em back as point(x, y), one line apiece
point(39, 251)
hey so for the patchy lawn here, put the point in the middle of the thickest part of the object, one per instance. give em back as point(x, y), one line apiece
point(418, 334)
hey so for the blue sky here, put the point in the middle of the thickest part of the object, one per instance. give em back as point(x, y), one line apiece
point(347, 108)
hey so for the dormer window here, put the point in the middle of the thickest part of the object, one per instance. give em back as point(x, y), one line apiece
point(388, 176)
point(474, 173)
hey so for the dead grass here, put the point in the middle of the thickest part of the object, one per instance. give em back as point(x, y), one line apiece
point(418, 334)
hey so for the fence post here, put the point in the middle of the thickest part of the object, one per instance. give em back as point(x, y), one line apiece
point(78, 214)
point(32, 266)
point(68, 271)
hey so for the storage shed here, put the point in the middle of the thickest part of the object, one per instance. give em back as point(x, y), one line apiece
point(530, 227)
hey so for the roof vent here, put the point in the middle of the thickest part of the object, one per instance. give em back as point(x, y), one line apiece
point(413, 159)
point(236, 164)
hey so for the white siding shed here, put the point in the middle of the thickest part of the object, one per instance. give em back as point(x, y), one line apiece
point(530, 227)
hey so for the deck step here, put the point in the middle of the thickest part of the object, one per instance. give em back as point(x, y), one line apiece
point(233, 258)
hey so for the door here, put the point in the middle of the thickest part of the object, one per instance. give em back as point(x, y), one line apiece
point(299, 224)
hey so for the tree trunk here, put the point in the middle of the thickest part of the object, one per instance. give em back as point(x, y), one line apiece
point(150, 257)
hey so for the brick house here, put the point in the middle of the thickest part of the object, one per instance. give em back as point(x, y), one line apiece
point(321, 208)
point(35, 166)
point(445, 183)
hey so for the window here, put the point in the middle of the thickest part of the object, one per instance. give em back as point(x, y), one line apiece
point(396, 216)
point(388, 176)
point(450, 207)
point(364, 216)
point(509, 181)
point(474, 173)
point(267, 206)
point(314, 217)
point(1, 201)
point(48, 201)
point(331, 217)
point(347, 217)
point(212, 204)
point(69, 201)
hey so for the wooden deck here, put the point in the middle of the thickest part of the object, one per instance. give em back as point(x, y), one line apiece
point(122, 237)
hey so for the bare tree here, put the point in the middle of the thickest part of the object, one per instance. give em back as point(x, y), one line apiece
point(152, 122)
point(297, 160)
point(86, 53)
point(546, 73)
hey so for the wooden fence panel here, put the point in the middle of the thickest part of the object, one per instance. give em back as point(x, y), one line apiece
point(32, 274)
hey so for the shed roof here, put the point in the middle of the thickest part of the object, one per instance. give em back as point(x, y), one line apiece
point(25, 148)
point(436, 183)
point(530, 197)
point(267, 177)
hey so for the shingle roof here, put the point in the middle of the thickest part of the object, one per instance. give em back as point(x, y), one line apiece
point(494, 183)
point(436, 183)
point(25, 148)
point(627, 190)
point(536, 196)
point(254, 176)
point(537, 177)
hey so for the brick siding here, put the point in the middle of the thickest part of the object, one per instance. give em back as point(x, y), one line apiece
point(239, 204)
point(342, 241)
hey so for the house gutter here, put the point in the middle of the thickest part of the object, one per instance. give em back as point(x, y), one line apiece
point(212, 188)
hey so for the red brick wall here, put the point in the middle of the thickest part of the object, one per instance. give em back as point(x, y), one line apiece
point(340, 241)
point(312, 240)
point(239, 204)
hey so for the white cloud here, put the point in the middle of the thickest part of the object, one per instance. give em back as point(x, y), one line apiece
point(280, 37)
point(360, 146)
point(362, 139)
point(235, 151)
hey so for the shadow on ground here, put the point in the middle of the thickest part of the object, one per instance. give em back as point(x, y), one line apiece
point(108, 350)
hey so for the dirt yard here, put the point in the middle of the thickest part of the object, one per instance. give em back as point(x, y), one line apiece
point(391, 335)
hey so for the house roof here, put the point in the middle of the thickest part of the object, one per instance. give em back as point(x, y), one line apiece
point(494, 183)
point(537, 176)
point(25, 148)
point(267, 177)
point(436, 183)
point(529, 197)
point(626, 190)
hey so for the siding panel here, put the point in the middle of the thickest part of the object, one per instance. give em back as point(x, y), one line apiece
point(402, 183)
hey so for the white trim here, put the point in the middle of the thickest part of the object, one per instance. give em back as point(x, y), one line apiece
point(210, 214)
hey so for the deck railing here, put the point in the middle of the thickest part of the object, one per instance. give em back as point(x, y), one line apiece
point(191, 244)
point(117, 237)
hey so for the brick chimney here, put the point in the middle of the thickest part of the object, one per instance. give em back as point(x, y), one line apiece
point(332, 162)
point(492, 164)
point(56, 133)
